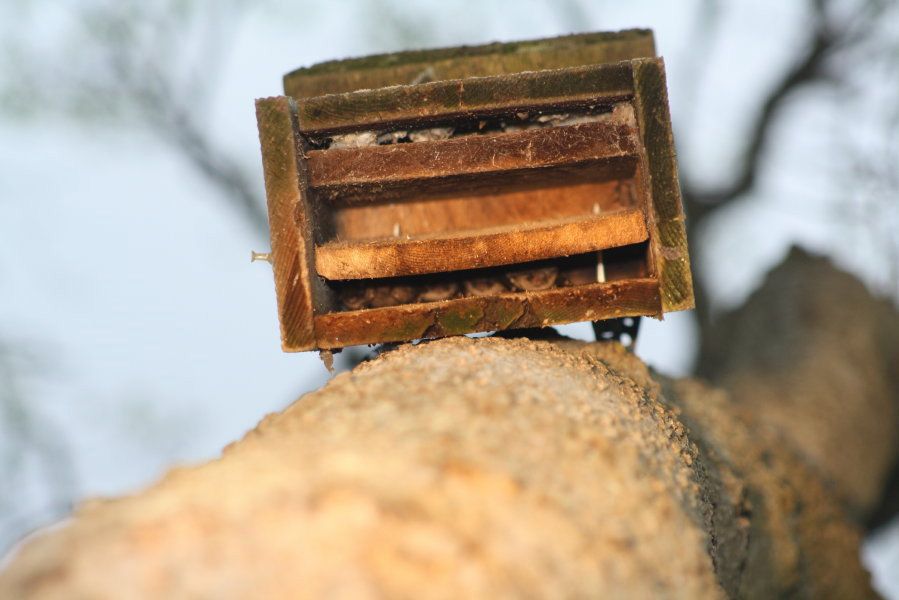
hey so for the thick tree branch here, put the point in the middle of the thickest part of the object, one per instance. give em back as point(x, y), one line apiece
point(493, 467)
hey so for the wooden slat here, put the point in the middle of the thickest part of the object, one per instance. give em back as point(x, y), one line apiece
point(479, 248)
point(507, 311)
point(403, 68)
point(420, 104)
point(288, 221)
point(425, 214)
point(669, 237)
point(353, 171)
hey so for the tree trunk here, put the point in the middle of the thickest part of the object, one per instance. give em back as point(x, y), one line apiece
point(509, 467)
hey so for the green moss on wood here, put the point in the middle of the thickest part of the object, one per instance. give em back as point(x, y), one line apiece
point(429, 101)
point(672, 234)
point(669, 235)
point(460, 319)
point(500, 313)
point(468, 61)
point(676, 285)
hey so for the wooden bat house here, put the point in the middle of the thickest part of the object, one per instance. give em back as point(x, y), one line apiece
point(441, 192)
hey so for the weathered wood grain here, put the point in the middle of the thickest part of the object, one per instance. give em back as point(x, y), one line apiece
point(486, 183)
point(489, 313)
point(351, 172)
point(427, 103)
point(289, 221)
point(403, 68)
point(474, 249)
point(668, 233)
point(508, 205)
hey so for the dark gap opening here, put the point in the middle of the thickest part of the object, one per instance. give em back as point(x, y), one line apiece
point(628, 262)
point(481, 124)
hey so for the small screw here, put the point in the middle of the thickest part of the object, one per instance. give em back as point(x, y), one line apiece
point(266, 256)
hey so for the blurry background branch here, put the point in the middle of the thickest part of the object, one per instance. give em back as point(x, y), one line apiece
point(836, 31)
point(829, 35)
point(28, 438)
point(154, 64)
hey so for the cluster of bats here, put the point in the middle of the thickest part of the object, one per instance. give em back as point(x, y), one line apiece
point(357, 296)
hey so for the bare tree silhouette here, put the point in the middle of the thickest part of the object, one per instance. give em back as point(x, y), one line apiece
point(151, 65)
point(155, 65)
point(833, 35)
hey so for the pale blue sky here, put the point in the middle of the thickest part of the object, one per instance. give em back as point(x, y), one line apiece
point(129, 280)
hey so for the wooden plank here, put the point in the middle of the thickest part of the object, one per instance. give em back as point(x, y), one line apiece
point(668, 232)
point(479, 248)
point(426, 103)
point(403, 68)
point(288, 221)
point(425, 214)
point(485, 183)
point(507, 311)
point(353, 171)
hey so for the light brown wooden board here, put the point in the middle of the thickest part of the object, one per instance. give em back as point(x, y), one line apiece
point(352, 173)
point(425, 214)
point(488, 182)
point(479, 248)
point(403, 68)
point(508, 311)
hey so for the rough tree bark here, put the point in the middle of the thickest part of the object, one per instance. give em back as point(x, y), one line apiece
point(511, 467)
